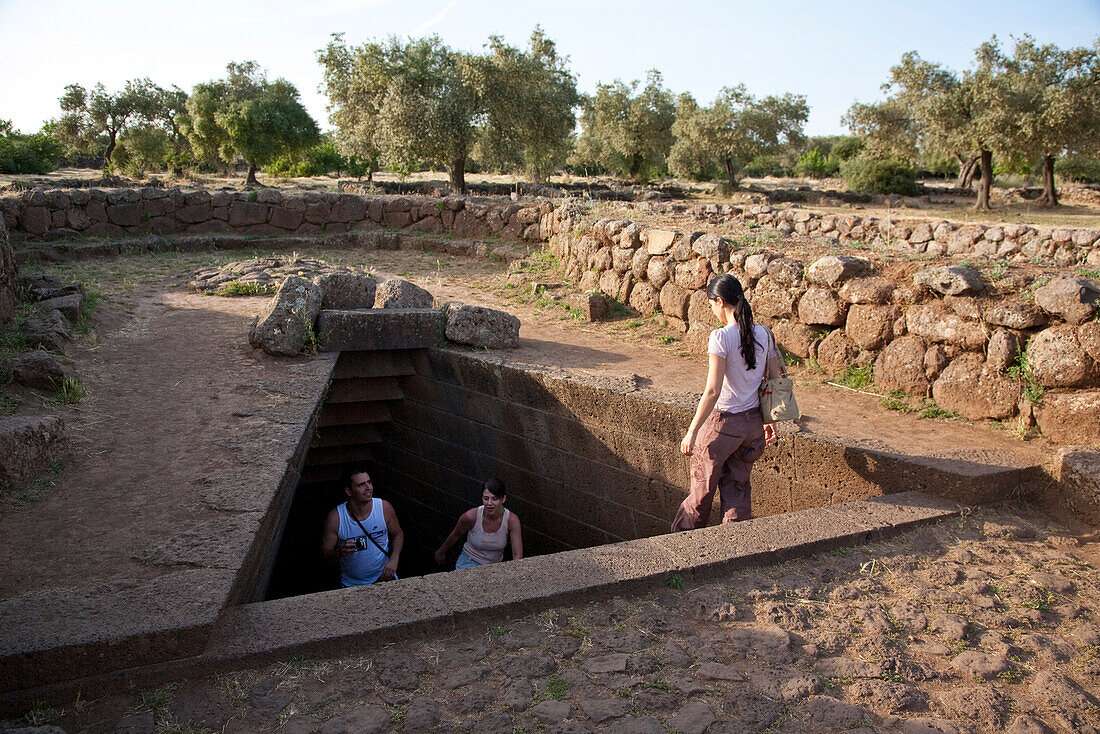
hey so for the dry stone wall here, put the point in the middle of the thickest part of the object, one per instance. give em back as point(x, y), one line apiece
point(74, 213)
point(942, 331)
point(1013, 242)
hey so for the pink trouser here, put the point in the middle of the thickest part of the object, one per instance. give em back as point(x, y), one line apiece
point(727, 445)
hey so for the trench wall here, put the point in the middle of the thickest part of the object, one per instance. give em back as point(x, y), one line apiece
point(586, 465)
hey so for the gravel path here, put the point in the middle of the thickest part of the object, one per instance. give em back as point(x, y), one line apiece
point(985, 623)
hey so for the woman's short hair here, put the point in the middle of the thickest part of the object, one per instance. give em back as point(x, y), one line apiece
point(495, 487)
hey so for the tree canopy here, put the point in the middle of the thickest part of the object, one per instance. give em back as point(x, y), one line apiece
point(625, 130)
point(527, 101)
point(92, 120)
point(1036, 104)
point(245, 115)
point(734, 130)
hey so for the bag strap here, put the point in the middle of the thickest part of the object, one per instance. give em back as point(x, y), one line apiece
point(778, 357)
point(376, 545)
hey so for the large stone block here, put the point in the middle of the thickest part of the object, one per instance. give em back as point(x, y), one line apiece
point(284, 327)
point(969, 387)
point(29, 445)
point(1072, 299)
point(1077, 470)
point(380, 328)
point(1070, 417)
point(400, 293)
point(481, 327)
point(347, 290)
point(901, 367)
point(1057, 358)
point(244, 213)
point(871, 326)
point(659, 241)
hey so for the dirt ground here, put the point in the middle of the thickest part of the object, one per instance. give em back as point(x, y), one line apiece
point(164, 366)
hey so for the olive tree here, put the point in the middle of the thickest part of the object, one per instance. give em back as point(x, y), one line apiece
point(92, 120)
point(1050, 103)
point(527, 100)
point(247, 116)
point(413, 102)
point(625, 130)
point(737, 128)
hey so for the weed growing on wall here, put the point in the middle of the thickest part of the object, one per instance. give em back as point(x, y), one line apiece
point(1021, 371)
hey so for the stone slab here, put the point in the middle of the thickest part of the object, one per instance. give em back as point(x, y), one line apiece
point(337, 622)
point(380, 328)
point(331, 622)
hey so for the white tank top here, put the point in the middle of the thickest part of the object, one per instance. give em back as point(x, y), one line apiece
point(365, 566)
point(483, 547)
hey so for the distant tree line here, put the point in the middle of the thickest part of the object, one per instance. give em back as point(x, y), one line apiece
point(416, 104)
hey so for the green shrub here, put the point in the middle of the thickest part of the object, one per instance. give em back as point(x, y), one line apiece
point(1078, 168)
point(816, 165)
point(847, 148)
point(880, 176)
point(36, 153)
point(764, 165)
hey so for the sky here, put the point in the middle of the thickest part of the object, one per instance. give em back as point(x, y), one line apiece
point(834, 52)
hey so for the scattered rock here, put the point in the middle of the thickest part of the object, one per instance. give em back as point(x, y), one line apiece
point(38, 370)
point(1072, 299)
point(29, 445)
point(981, 665)
point(953, 280)
point(832, 270)
point(828, 711)
point(400, 293)
point(900, 366)
point(481, 327)
point(365, 720)
point(551, 712)
point(283, 328)
point(981, 705)
point(693, 718)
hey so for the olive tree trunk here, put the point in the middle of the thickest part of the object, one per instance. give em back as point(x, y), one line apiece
point(251, 180)
point(458, 175)
point(986, 181)
point(1050, 194)
point(967, 169)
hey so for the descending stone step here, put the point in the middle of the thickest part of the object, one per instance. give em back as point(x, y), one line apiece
point(345, 436)
point(337, 455)
point(387, 363)
point(362, 389)
point(347, 414)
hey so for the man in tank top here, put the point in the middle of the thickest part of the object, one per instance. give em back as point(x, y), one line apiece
point(363, 533)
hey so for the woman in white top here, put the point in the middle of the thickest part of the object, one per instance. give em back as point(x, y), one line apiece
point(488, 529)
point(728, 433)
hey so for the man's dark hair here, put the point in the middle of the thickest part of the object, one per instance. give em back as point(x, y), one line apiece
point(351, 470)
point(495, 487)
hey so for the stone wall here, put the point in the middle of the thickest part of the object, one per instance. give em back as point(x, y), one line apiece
point(941, 332)
point(7, 275)
point(1012, 242)
point(588, 462)
point(67, 214)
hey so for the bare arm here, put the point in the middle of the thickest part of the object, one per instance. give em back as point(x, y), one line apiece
point(715, 372)
point(331, 547)
point(465, 523)
point(397, 541)
point(515, 536)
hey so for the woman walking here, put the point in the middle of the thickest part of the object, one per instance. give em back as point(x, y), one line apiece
point(488, 529)
point(728, 433)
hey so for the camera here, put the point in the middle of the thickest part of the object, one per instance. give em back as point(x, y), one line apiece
point(361, 543)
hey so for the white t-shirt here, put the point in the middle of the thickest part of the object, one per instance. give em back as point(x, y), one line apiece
point(740, 385)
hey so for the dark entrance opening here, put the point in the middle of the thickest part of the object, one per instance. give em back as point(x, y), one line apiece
point(583, 466)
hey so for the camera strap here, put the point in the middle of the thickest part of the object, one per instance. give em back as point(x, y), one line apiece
point(372, 540)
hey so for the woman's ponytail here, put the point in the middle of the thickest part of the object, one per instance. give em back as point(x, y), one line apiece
point(729, 289)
